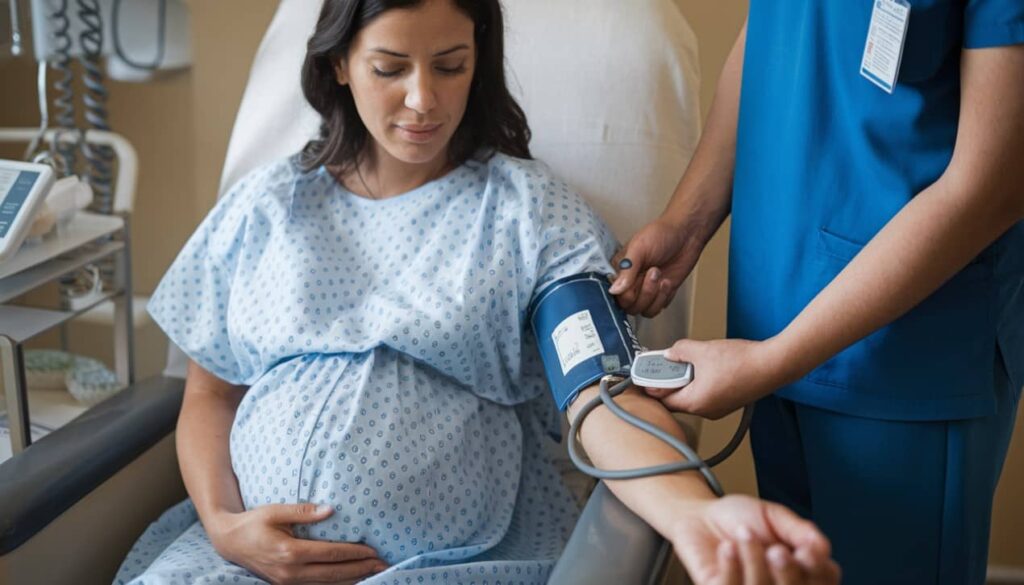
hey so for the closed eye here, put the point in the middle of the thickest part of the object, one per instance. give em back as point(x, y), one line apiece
point(460, 68)
point(388, 73)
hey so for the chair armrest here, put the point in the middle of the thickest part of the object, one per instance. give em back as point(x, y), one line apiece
point(50, 476)
point(611, 544)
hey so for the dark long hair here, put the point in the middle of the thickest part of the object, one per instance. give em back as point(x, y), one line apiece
point(493, 121)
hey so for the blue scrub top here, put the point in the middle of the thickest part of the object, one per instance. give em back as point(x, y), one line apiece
point(825, 159)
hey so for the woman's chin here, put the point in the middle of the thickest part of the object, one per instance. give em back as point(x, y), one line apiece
point(413, 153)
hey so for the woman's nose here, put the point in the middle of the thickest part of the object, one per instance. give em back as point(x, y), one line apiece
point(420, 96)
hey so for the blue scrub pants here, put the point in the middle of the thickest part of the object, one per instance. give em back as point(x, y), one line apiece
point(902, 502)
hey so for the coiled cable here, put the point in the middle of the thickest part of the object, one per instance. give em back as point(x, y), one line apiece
point(64, 100)
point(100, 158)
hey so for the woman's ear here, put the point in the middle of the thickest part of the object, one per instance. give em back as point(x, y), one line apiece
point(341, 72)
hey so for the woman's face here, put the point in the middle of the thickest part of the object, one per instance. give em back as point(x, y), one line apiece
point(410, 72)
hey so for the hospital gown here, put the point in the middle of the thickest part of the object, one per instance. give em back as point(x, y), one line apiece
point(390, 367)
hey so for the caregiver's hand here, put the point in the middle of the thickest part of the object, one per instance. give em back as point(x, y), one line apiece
point(262, 541)
point(661, 256)
point(739, 540)
point(728, 374)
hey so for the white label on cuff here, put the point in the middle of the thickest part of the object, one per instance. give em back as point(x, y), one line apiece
point(576, 340)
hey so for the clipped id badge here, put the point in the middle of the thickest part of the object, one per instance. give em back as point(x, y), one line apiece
point(883, 51)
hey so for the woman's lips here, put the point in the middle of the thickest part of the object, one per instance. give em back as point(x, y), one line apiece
point(418, 134)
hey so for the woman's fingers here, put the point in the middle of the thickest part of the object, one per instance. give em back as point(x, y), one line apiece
point(755, 569)
point(820, 570)
point(316, 551)
point(730, 572)
point(306, 513)
point(784, 570)
point(796, 532)
point(338, 572)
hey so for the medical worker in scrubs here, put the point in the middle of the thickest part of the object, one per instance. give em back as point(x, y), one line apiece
point(871, 155)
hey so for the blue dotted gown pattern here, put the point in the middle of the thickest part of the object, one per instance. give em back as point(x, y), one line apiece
point(390, 367)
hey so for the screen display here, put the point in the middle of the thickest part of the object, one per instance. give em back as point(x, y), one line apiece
point(15, 187)
point(659, 368)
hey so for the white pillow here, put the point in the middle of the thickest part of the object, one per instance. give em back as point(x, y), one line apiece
point(611, 91)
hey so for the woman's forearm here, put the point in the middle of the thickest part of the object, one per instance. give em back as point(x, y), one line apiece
point(703, 198)
point(611, 443)
point(204, 427)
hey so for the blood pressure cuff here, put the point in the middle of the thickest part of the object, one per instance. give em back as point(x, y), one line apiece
point(582, 334)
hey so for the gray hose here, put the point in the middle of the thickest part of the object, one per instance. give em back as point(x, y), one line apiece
point(692, 460)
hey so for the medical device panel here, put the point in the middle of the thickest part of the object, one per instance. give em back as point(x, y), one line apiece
point(652, 369)
point(138, 37)
point(23, 189)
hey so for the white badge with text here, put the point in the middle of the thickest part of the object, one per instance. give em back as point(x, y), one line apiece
point(883, 51)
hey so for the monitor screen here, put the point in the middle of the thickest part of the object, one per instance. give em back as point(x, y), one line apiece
point(15, 186)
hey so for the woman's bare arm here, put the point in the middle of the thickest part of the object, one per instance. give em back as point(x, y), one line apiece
point(719, 540)
point(204, 427)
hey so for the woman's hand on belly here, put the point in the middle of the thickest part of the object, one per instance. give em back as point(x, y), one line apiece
point(262, 541)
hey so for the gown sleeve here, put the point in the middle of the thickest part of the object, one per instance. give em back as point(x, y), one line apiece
point(563, 236)
point(571, 237)
point(192, 303)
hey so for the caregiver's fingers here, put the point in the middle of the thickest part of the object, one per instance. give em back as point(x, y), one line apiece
point(650, 286)
point(630, 266)
point(658, 393)
point(665, 295)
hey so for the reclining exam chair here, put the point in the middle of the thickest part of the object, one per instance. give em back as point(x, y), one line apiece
point(610, 90)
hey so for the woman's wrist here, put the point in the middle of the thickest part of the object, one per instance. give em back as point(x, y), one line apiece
point(687, 516)
point(680, 504)
point(217, 522)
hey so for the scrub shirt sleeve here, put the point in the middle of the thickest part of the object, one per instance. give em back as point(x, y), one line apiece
point(191, 303)
point(993, 23)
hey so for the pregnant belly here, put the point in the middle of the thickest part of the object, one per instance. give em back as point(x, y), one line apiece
point(410, 461)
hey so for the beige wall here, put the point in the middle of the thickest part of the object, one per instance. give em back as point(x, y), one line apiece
point(180, 125)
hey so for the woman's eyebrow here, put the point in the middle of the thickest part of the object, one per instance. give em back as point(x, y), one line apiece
point(391, 53)
point(454, 49)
